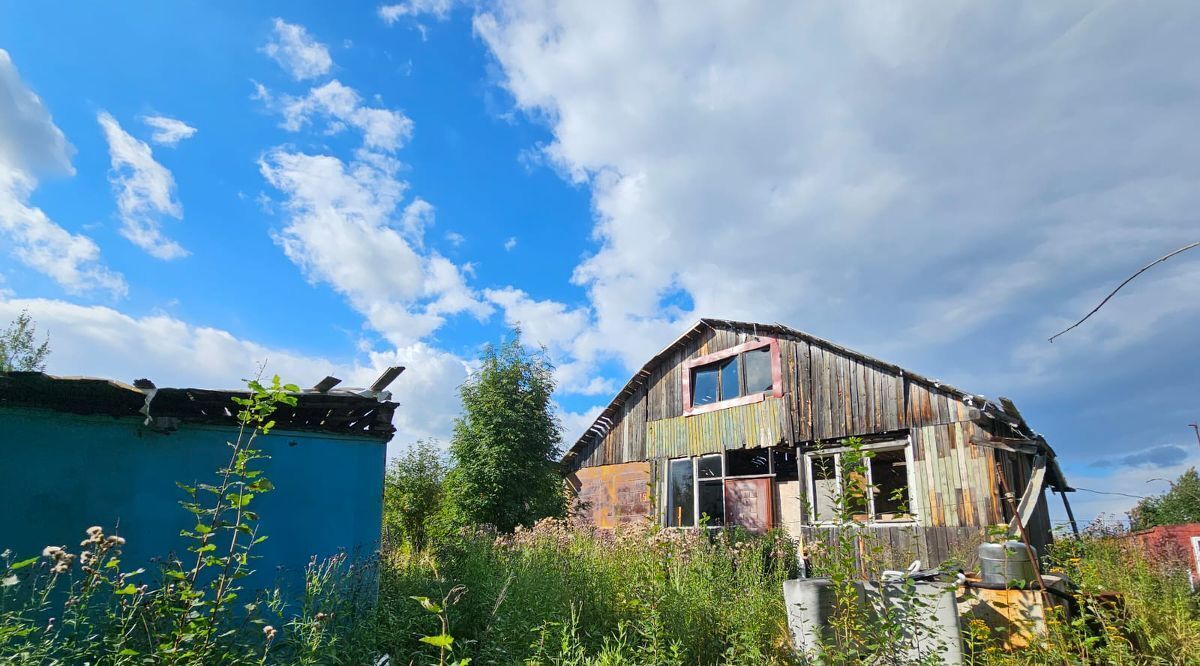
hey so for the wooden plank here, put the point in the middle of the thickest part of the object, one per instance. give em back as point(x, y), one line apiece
point(864, 422)
point(804, 382)
point(1030, 496)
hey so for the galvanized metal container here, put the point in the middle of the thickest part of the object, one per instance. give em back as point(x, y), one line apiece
point(1005, 563)
point(935, 634)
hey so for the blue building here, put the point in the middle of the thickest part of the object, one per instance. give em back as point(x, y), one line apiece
point(76, 452)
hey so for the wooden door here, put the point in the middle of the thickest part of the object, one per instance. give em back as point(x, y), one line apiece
point(748, 503)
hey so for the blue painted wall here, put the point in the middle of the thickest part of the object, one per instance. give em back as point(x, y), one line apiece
point(60, 473)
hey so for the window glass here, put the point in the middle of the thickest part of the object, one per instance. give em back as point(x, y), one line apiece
point(709, 466)
point(825, 490)
point(704, 385)
point(747, 462)
point(712, 501)
point(889, 474)
point(758, 370)
point(680, 507)
point(731, 386)
point(786, 468)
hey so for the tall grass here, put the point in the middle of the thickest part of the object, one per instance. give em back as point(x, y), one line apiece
point(640, 594)
point(573, 596)
point(1131, 607)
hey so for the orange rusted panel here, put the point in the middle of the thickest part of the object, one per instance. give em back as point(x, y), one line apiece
point(610, 495)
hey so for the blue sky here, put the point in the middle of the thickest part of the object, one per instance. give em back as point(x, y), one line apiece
point(189, 189)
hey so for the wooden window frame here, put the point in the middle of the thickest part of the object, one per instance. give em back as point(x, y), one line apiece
point(910, 479)
point(708, 359)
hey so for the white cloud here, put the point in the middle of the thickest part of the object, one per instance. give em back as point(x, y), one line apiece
point(556, 327)
point(347, 224)
point(454, 238)
point(575, 423)
point(31, 145)
point(940, 185)
point(439, 9)
point(339, 231)
point(342, 107)
point(145, 191)
point(103, 342)
point(510, 243)
point(297, 52)
point(168, 131)
point(831, 166)
point(542, 322)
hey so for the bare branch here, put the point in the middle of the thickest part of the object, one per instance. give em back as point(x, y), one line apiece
point(1127, 281)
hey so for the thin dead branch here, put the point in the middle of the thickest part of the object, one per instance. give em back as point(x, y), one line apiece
point(1127, 281)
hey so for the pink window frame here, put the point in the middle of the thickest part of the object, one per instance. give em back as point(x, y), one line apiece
point(776, 377)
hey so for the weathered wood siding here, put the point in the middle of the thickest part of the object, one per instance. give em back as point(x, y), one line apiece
point(828, 395)
point(955, 480)
point(896, 547)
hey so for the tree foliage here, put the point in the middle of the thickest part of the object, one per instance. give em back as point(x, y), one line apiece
point(412, 493)
point(1180, 504)
point(19, 349)
point(506, 443)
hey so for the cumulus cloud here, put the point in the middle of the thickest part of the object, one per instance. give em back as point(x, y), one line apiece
point(937, 185)
point(339, 231)
point(779, 163)
point(348, 224)
point(145, 191)
point(297, 52)
point(168, 131)
point(32, 146)
point(510, 243)
point(104, 342)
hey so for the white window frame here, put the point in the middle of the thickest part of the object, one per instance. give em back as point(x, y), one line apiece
point(893, 445)
point(697, 479)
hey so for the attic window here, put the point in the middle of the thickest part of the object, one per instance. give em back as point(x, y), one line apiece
point(736, 376)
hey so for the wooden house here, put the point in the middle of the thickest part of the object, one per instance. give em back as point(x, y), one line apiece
point(744, 424)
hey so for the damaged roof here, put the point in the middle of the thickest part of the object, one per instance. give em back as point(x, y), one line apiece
point(350, 411)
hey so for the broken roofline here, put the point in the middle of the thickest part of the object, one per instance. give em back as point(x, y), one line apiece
point(1005, 413)
point(362, 412)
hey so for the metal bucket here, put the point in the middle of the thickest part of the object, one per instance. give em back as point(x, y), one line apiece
point(1005, 563)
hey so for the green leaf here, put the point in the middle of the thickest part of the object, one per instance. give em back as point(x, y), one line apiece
point(202, 528)
point(129, 588)
point(427, 604)
point(441, 640)
point(128, 652)
point(23, 563)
